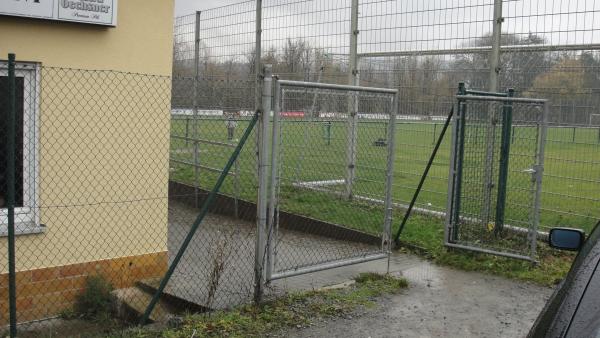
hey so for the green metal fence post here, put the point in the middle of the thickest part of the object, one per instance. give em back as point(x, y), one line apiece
point(460, 144)
point(10, 198)
point(504, 161)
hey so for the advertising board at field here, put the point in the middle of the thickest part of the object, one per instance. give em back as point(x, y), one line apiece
point(292, 114)
point(97, 12)
point(199, 112)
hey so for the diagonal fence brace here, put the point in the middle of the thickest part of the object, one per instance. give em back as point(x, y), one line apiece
point(203, 211)
point(423, 177)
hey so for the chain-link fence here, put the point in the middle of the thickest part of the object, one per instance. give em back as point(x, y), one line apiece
point(91, 169)
point(112, 185)
point(496, 175)
point(111, 167)
point(99, 213)
point(333, 149)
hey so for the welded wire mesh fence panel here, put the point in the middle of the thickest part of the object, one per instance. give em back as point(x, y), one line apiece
point(216, 47)
point(216, 270)
point(494, 200)
point(214, 98)
point(100, 214)
point(213, 101)
point(569, 82)
point(307, 40)
point(198, 161)
point(548, 50)
point(564, 71)
point(332, 174)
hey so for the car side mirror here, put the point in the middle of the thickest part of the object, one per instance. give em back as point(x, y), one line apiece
point(566, 238)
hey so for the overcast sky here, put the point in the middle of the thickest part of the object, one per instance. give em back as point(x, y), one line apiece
point(183, 7)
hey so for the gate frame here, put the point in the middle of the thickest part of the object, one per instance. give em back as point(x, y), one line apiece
point(386, 242)
point(537, 171)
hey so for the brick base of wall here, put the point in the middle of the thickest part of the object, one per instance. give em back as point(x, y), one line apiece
point(46, 292)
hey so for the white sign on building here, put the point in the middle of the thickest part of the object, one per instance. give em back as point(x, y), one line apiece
point(99, 12)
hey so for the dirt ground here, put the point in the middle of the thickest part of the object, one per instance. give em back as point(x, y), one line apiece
point(234, 240)
point(439, 302)
point(442, 302)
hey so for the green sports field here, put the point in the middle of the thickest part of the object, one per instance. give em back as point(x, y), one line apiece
point(571, 183)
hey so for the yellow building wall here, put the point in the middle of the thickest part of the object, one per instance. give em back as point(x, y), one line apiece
point(103, 158)
point(141, 42)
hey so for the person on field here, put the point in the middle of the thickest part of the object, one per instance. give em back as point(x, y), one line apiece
point(231, 124)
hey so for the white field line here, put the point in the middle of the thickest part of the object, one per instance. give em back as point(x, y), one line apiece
point(319, 186)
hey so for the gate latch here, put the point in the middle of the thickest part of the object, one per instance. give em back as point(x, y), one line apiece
point(530, 171)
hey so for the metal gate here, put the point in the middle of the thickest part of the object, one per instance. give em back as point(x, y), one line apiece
point(495, 174)
point(331, 180)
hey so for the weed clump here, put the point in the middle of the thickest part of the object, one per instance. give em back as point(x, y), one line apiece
point(96, 300)
point(297, 310)
point(386, 283)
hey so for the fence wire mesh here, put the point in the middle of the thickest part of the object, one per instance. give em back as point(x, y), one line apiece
point(333, 159)
point(100, 210)
point(498, 146)
point(98, 195)
point(548, 50)
point(434, 46)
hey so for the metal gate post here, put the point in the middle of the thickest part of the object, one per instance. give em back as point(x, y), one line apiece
point(258, 272)
point(195, 104)
point(491, 129)
point(389, 180)
point(504, 163)
point(451, 178)
point(257, 55)
point(257, 71)
point(273, 202)
point(459, 157)
point(539, 173)
point(488, 162)
point(263, 185)
point(10, 196)
point(495, 52)
point(352, 101)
